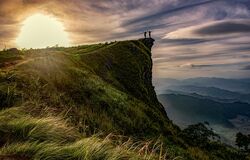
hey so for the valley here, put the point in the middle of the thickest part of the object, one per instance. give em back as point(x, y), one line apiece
point(191, 101)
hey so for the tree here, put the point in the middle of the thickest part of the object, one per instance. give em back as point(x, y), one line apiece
point(198, 135)
point(242, 140)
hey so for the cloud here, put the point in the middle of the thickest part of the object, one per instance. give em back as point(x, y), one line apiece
point(210, 30)
point(91, 21)
point(195, 66)
point(201, 32)
point(168, 10)
point(246, 67)
point(225, 27)
point(85, 21)
point(186, 41)
point(191, 57)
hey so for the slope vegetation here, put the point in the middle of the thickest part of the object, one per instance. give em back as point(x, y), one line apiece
point(60, 97)
point(86, 102)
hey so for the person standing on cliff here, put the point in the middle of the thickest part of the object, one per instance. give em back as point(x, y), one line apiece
point(145, 34)
point(149, 33)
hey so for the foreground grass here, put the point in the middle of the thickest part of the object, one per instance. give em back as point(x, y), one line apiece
point(52, 138)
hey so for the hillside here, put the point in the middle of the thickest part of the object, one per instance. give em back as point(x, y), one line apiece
point(189, 109)
point(88, 102)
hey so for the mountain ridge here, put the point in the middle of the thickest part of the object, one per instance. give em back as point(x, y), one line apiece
point(188, 109)
point(55, 100)
point(212, 92)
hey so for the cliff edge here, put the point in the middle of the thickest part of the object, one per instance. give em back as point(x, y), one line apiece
point(86, 102)
point(100, 88)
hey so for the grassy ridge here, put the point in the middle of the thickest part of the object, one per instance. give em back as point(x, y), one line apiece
point(93, 89)
point(63, 103)
point(25, 137)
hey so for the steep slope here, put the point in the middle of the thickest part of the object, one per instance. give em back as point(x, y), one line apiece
point(68, 103)
point(112, 80)
point(96, 88)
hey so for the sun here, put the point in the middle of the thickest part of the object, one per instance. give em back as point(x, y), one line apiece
point(39, 31)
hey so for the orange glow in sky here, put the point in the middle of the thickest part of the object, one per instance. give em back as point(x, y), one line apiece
point(39, 31)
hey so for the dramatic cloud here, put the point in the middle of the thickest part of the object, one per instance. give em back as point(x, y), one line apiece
point(195, 66)
point(196, 33)
point(205, 32)
point(168, 10)
point(226, 27)
point(246, 67)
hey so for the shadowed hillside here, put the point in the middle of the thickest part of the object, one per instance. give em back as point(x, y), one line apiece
point(64, 103)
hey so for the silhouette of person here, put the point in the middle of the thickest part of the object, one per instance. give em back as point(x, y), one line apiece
point(149, 33)
point(145, 34)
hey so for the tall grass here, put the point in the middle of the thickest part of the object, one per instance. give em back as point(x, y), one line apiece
point(84, 149)
point(20, 127)
point(91, 148)
point(52, 138)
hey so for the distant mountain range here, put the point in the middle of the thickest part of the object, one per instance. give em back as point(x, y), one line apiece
point(234, 85)
point(205, 109)
point(213, 92)
point(224, 103)
point(187, 109)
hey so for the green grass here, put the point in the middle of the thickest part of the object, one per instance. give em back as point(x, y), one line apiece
point(68, 80)
point(63, 103)
point(8, 57)
point(58, 98)
point(86, 149)
point(22, 127)
point(52, 138)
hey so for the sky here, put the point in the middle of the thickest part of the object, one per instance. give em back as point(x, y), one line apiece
point(194, 38)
